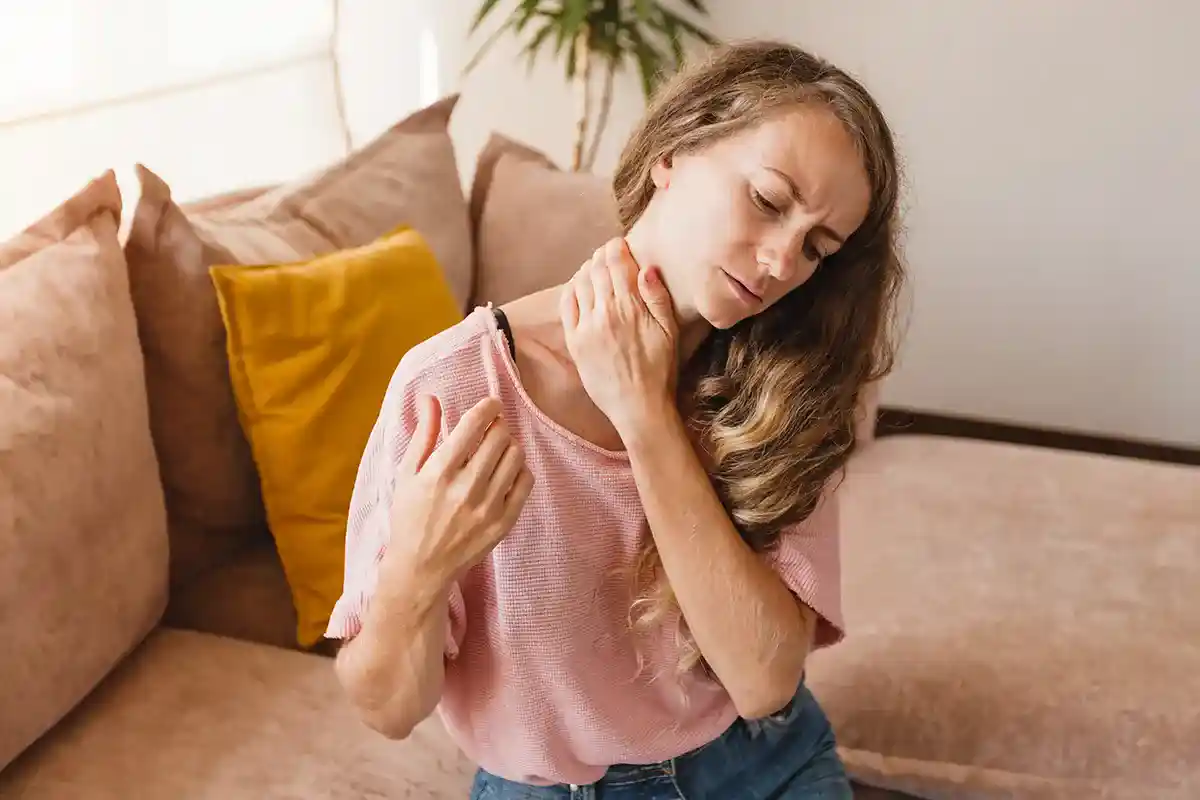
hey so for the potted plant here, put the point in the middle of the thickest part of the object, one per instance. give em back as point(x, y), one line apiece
point(591, 36)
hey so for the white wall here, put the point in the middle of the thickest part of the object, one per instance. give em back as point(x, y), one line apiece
point(213, 96)
point(1053, 152)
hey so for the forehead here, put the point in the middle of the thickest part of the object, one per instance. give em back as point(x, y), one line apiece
point(811, 146)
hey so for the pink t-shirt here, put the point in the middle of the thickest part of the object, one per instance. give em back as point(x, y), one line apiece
point(542, 681)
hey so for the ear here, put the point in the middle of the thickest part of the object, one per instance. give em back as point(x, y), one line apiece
point(660, 173)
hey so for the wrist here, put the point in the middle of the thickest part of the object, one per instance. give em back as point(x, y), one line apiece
point(645, 422)
point(405, 590)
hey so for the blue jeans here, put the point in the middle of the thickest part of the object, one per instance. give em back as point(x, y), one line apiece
point(790, 755)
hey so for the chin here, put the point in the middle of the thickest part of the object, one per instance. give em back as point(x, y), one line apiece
point(720, 307)
point(719, 315)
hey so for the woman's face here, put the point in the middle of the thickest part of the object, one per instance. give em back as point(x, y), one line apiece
point(738, 225)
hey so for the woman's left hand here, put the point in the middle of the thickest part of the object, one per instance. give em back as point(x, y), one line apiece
point(622, 334)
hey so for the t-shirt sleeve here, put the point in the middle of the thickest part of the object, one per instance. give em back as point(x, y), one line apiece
point(808, 558)
point(368, 528)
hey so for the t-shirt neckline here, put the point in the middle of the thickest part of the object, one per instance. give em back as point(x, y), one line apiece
point(501, 353)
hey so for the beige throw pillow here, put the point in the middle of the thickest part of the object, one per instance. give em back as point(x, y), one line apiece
point(534, 224)
point(83, 539)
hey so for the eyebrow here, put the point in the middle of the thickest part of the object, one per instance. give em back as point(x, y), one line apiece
point(824, 230)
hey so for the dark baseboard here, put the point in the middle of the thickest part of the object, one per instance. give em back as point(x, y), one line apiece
point(900, 420)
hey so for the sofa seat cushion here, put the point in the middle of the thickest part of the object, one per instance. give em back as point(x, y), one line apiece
point(192, 715)
point(1022, 622)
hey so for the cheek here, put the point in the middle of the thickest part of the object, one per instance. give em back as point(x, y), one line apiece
point(721, 224)
point(806, 273)
point(708, 222)
point(688, 223)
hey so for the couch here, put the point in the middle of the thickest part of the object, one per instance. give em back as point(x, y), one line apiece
point(1022, 621)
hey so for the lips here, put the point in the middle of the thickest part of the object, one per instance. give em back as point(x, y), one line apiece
point(747, 293)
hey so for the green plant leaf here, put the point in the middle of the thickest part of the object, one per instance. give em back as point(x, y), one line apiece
point(575, 12)
point(516, 21)
point(528, 10)
point(648, 59)
point(670, 30)
point(535, 44)
point(615, 32)
point(488, 43)
point(690, 27)
point(572, 45)
point(604, 30)
point(485, 9)
point(572, 18)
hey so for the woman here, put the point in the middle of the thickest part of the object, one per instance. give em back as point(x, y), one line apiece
point(594, 528)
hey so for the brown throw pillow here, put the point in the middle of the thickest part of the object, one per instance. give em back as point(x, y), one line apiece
point(408, 175)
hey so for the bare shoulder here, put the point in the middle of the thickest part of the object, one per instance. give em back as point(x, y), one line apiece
point(547, 373)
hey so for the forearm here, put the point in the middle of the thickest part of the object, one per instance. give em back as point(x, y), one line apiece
point(392, 671)
point(749, 627)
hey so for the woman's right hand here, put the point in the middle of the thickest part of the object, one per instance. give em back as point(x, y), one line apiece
point(452, 504)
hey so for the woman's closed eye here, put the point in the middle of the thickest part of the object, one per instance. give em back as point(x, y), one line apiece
point(765, 204)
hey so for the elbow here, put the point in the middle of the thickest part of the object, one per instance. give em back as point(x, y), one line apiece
point(780, 672)
point(393, 712)
point(398, 719)
point(761, 704)
point(396, 727)
point(395, 718)
point(769, 695)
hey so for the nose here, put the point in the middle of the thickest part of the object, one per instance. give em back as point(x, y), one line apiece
point(783, 253)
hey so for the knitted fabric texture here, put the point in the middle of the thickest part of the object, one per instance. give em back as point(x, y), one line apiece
point(545, 682)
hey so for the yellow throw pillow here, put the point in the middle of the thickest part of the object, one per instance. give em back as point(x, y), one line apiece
point(312, 346)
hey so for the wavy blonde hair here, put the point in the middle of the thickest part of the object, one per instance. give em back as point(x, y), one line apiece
point(773, 400)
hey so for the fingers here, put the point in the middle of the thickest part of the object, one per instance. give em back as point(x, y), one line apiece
point(508, 469)
point(622, 269)
point(609, 276)
point(497, 440)
point(601, 278)
point(658, 299)
point(429, 423)
point(517, 495)
point(468, 434)
point(585, 294)
point(568, 307)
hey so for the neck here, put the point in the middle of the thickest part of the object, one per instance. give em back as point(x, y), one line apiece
point(693, 328)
